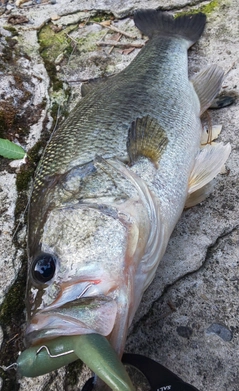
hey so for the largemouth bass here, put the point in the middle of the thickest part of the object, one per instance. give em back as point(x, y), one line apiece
point(112, 184)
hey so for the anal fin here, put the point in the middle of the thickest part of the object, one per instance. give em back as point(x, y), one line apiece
point(207, 85)
point(208, 164)
point(146, 138)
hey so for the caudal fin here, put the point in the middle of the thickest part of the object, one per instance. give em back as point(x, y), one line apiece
point(152, 22)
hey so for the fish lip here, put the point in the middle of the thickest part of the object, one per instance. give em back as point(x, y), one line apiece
point(86, 315)
point(52, 327)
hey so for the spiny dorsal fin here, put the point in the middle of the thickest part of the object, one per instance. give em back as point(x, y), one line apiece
point(207, 85)
point(209, 162)
point(146, 138)
point(152, 22)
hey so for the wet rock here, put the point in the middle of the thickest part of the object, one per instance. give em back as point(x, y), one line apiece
point(220, 330)
point(184, 331)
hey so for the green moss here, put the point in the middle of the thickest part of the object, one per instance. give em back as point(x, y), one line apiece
point(208, 8)
point(205, 9)
point(12, 30)
point(3, 125)
point(101, 17)
point(11, 42)
point(51, 70)
point(54, 43)
point(13, 305)
point(24, 177)
point(12, 318)
point(34, 152)
point(7, 55)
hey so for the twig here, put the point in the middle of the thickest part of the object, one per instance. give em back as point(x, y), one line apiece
point(120, 44)
point(117, 40)
point(73, 39)
point(229, 69)
point(117, 30)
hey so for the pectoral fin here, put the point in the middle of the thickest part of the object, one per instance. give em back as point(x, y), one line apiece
point(207, 85)
point(208, 164)
point(146, 138)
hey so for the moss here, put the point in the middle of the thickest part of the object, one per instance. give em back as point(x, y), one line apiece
point(13, 305)
point(3, 125)
point(54, 43)
point(34, 152)
point(206, 9)
point(51, 70)
point(12, 30)
point(24, 178)
point(27, 170)
point(11, 42)
point(68, 50)
point(7, 55)
point(12, 319)
point(101, 17)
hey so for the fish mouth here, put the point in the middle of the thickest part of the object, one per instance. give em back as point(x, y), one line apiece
point(86, 315)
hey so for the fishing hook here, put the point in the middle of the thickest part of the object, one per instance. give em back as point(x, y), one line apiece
point(12, 366)
point(85, 290)
point(53, 355)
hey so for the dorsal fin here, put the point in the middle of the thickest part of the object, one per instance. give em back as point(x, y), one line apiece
point(146, 138)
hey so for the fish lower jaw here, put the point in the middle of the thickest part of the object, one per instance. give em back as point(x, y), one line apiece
point(83, 316)
point(55, 328)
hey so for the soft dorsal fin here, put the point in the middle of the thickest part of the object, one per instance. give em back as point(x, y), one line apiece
point(146, 138)
point(207, 85)
point(209, 162)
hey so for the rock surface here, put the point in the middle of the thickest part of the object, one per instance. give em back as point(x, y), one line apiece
point(188, 319)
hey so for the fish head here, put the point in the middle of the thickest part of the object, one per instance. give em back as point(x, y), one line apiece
point(69, 291)
point(81, 274)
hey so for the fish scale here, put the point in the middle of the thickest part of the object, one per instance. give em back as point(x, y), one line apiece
point(118, 100)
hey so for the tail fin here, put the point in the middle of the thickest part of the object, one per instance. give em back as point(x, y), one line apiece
point(152, 22)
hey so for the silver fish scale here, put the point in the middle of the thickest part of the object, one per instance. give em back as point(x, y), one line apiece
point(154, 84)
point(100, 122)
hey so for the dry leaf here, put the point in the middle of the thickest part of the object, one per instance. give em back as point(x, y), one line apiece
point(20, 2)
point(55, 17)
point(128, 51)
point(106, 23)
point(17, 19)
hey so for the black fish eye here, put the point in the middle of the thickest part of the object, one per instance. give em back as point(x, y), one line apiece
point(44, 268)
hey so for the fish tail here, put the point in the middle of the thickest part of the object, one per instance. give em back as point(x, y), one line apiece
point(152, 22)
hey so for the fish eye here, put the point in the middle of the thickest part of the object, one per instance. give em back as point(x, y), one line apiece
point(44, 268)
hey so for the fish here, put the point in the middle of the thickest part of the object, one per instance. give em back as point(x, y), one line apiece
point(113, 182)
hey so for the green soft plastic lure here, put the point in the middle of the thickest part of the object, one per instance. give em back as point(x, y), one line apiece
point(42, 359)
